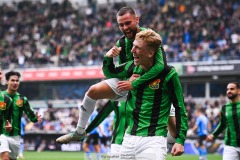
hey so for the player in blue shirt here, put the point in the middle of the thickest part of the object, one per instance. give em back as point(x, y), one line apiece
point(21, 148)
point(201, 125)
point(92, 138)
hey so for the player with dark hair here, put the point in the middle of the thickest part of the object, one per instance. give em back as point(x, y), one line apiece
point(20, 104)
point(230, 121)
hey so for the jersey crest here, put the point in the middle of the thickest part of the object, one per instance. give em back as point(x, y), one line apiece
point(155, 84)
point(19, 103)
point(3, 106)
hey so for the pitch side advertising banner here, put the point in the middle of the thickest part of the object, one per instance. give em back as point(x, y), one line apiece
point(216, 69)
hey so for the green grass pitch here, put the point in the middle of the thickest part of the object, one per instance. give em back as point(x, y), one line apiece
point(32, 155)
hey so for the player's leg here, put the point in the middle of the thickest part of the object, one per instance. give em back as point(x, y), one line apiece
point(14, 145)
point(151, 148)
point(86, 147)
point(103, 90)
point(201, 147)
point(4, 148)
point(231, 153)
point(96, 146)
point(115, 148)
point(21, 149)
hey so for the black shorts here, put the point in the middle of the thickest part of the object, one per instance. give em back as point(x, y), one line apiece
point(104, 140)
point(201, 139)
point(92, 139)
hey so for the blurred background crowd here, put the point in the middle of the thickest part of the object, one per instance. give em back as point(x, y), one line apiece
point(33, 33)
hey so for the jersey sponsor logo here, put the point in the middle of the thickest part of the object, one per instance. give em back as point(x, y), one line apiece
point(19, 103)
point(3, 105)
point(155, 84)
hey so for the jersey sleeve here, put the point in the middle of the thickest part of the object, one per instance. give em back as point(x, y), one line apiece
point(222, 123)
point(122, 71)
point(29, 111)
point(102, 114)
point(177, 99)
point(158, 67)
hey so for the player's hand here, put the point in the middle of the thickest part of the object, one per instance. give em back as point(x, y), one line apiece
point(124, 86)
point(8, 126)
point(113, 52)
point(210, 137)
point(133, 77)
point(39, 117)
point(177, 149)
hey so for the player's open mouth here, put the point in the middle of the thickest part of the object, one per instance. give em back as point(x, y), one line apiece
point(128, 33)
point(136, 58)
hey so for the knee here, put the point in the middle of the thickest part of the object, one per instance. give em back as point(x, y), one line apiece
point(92, 91)
point(98, 91)
point(85, 147)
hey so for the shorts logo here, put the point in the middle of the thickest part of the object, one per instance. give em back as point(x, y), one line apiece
point(3, 106)
point(155, 84)
point(19, 103)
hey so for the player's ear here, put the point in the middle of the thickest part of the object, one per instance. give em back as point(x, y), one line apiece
point(151, 54)
point(238, 92)
point(137, 19)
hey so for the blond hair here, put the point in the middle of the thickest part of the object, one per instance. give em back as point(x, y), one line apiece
point(152, 39)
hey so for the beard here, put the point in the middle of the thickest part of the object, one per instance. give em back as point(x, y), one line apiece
point(133, 34)
point(232, 96)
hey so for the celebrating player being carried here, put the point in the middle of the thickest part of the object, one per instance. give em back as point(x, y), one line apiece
point(128, 24)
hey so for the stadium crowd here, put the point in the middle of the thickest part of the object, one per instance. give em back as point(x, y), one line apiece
point(36, 34)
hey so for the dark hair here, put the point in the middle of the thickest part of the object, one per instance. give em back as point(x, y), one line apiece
point(125, 10)
point(12, 73)
point(236, 83)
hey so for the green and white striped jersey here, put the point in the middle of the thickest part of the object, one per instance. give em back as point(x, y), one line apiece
point(230, 120)
point(20, 104)
point(148, 107)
